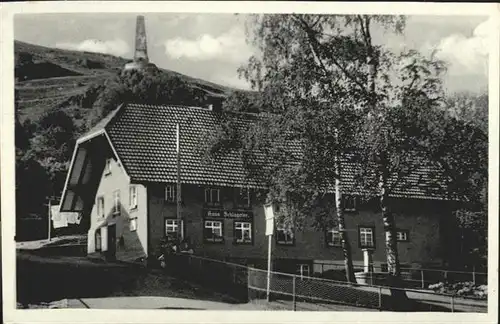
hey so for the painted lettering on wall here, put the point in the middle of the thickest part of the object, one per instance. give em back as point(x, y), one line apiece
point(227, 214)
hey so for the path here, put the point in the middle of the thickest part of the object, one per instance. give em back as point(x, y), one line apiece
point(154, 302)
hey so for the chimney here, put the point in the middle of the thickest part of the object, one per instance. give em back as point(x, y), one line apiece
point(214, 104)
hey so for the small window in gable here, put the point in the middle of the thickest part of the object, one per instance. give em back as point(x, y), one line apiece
point(116, 203)
point(107, 167)
point(100, 207)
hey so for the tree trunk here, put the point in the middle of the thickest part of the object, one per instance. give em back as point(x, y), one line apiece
point(394, 279)
point(346, 246)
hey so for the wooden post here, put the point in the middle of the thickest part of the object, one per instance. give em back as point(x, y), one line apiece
point(179, 206)
point(269, 266)
point(474, 274)
point(294, 289)
point(452, 304)
point(49, 219)
point(422, 278)
point(380, 298)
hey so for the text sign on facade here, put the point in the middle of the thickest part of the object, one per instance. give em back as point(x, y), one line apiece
point(227, 214)
point(269, 212)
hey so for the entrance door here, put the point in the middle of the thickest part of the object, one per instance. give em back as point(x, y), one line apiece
point(111, 242)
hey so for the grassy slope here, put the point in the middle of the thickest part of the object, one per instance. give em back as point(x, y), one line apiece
point(38, 95)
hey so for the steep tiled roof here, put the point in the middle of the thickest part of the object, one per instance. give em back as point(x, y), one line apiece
point(144, 138)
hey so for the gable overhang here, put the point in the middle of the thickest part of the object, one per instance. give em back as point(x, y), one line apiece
point(87, 164)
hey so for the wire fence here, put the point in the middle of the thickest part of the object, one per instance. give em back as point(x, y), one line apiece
point(296, 292)
point(420, 278)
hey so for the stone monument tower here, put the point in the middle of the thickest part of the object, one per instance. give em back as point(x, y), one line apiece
point(141, 60)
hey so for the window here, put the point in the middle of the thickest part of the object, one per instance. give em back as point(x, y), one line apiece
point(242, 197)
point(116, 203)
point(212, 196)
point(100, 207)
point(333, 237)
point(243, 232)
point(170, 193)
point(366, 237)
point(213, 231)
point(303, 270)
point(171, 229)
point(107, 169)
point(283, 235)
point(402, 236)
point(133, 197)
point(132, 224)
point(98, 244)
point(350, 203)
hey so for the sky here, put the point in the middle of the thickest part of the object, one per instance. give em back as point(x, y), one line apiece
point(213, 46)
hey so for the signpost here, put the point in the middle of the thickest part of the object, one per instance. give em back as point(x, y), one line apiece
point(269, 212)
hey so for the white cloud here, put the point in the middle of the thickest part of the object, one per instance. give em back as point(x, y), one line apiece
point(115, 47)
point(228, 46)
point(467, 55)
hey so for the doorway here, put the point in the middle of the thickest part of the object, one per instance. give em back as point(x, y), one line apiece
point(111, 255)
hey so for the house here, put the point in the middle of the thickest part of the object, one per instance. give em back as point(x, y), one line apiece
point(123, 178)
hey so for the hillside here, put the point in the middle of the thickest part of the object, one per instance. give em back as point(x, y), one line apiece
point(47, 77)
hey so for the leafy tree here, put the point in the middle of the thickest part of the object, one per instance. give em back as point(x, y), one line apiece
point(461, 149)
point(324, 80)
point(52, 145)
point(32, 182)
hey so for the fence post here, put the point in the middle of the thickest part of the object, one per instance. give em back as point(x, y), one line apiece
point(294, 298)
point(446, 276)
point(474, 274)
point(452, 304)
point(422, 278)
point(380, 298)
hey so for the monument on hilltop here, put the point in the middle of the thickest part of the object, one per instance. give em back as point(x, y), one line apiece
point(141, 60)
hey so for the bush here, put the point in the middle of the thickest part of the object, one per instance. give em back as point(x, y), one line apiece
point(463, 289)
